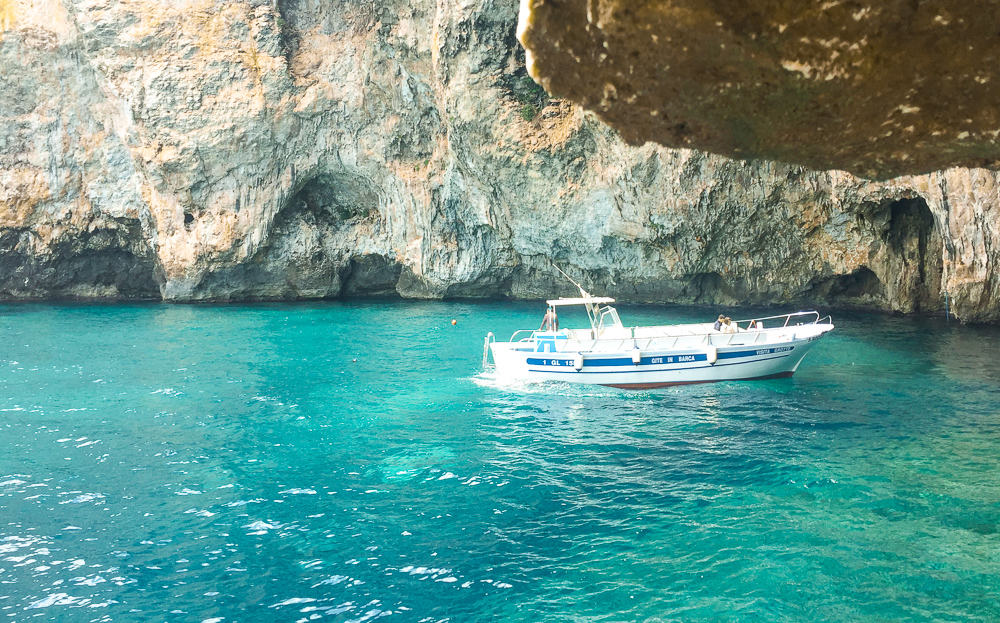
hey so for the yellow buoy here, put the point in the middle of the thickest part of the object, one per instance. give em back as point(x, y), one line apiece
point(453, 321)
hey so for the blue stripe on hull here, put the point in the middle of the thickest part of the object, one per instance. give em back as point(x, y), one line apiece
point(658, 359)
point(636, 371)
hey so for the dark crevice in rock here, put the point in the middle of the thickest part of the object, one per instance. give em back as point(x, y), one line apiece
point(370, 275)
point(516, 84)
point(100, 263)
point(860, 285)
point(330, 198)
point(708, 288)
point(308, 254)
point(287, 34)
point(858, 289)
point(491, 285)
point(905, 268)
point(915, 249)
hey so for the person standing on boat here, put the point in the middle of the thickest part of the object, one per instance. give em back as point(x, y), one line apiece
point(551, 321)
point(728, 326)
point(718, 323)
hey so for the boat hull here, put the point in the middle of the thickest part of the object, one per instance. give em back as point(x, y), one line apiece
point(655, 368)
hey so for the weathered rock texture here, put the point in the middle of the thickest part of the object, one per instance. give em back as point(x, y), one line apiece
point(879, 88)
point(245, 149)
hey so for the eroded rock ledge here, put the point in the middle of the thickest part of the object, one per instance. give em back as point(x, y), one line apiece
point(250, 149)
point(880, 89)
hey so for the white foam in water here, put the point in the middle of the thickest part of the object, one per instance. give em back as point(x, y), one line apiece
point(432, 571)
point(261, 527)
point(298, 492)
point(84, 498)
point(293, 601)
point(244, 502)
point(55, 599)
point(166, 391)
point(333, 580)
point(489, 379)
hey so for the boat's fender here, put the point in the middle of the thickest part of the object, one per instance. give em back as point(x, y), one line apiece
point(578, 362)
point(636, 356)
point(711, 354)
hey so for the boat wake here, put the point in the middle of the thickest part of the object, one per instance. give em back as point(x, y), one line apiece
point(491, 380)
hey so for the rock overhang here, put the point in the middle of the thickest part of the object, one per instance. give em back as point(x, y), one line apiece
point(878, 89)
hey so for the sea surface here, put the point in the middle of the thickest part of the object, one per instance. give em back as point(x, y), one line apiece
point(352, 462)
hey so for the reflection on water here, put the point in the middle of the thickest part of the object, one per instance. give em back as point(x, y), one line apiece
point(350, 462)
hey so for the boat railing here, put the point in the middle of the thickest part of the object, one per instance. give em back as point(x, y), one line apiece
point(529, 335)
point(788, 317)
point(675, 332)
point(816, 319)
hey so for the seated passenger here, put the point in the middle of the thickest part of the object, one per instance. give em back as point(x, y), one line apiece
point(718, 323)
point(728, 326)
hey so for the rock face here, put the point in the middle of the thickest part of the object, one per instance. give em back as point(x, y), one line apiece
point(877, 88)
point(249, 149)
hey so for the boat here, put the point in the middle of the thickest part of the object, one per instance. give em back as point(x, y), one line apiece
point(647, 357)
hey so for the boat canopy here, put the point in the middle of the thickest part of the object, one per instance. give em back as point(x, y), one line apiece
point(590, 300)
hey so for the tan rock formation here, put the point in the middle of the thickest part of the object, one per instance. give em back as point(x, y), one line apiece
point(250, 149)
point(877, 88)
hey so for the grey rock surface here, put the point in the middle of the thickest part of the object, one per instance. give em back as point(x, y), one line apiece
point(249, 149)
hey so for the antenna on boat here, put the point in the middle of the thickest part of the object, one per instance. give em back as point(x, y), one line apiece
point(583, 292)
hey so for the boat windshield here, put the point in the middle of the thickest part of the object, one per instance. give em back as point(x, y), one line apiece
point(608, 319)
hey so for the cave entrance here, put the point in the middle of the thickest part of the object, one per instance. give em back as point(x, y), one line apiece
point(914, 249)
point(331, 196)
point(861, 287)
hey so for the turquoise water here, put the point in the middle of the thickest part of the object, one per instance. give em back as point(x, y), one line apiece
point(179, 463)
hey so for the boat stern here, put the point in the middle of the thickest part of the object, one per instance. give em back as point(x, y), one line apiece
point(509, 359)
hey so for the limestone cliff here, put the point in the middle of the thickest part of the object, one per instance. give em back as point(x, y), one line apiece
point(249, 149)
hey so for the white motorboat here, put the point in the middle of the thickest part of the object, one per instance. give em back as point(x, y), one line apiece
point(609, 353)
